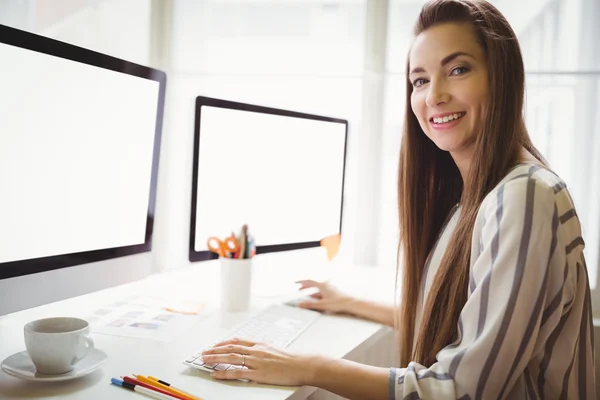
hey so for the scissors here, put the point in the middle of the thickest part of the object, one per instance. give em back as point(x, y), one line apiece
point(223, 248)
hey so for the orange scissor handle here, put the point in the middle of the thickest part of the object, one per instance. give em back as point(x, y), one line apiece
point(231, 244)
point(223, 247)
point(215, 245)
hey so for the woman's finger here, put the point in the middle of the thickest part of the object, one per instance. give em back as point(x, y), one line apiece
point(308, 283)
point(320, 305)
point(231, 358)
point(238, 341)
point(235, 373)
point(227, 349)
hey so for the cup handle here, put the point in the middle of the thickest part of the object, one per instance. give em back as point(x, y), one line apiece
point(89, 346)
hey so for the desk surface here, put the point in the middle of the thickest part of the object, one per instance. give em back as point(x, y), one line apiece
point(332, 335)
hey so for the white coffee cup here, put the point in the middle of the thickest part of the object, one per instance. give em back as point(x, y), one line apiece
point(55, 345)
point(236, 282)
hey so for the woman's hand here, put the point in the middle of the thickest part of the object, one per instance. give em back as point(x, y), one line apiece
point(264, 364)
point(328, 298)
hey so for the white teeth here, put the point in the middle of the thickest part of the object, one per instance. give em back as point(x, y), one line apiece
point(447, 118)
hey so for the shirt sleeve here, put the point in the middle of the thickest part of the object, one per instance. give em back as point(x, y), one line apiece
point(501, 319)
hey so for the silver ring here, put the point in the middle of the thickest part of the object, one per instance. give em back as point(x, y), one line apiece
point(243, 360)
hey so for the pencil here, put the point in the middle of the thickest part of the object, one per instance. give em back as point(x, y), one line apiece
point(151, 387)
point(173, 387)
point(165, 387)
point(242, 241)
point(140, 389)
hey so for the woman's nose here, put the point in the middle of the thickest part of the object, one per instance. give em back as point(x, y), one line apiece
point(437, 95)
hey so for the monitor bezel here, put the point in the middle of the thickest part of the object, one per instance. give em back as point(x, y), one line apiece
point(41, 44)
point(202, 101)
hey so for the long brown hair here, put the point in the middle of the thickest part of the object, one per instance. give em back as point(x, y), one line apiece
point(430, 185)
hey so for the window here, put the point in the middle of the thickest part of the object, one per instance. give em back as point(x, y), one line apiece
point(120, 28)
point(562, 106)
point(401, 19)
point(562, 118)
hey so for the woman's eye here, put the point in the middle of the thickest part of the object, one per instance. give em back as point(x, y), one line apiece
point(460, 71)
point(419, 82)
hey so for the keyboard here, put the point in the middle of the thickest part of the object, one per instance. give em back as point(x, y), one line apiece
point(278, 325)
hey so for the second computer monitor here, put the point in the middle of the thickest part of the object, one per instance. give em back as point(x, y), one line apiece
point(280, 172)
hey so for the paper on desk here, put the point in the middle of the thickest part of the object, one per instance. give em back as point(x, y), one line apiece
point(146, 317)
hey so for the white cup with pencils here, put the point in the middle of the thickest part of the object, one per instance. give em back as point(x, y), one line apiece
point(235, 255)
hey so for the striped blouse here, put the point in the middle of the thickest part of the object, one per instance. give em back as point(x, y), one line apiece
point(526, 330)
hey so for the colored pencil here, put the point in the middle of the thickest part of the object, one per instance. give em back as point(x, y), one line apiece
point(173, 387)
point(165, 387)
point(141, 389)
point(134, 381)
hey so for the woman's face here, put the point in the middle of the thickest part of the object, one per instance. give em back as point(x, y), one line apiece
point(450, 85)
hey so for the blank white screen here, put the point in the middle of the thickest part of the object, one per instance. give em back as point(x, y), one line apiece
point(76, 145)
point(282, 176)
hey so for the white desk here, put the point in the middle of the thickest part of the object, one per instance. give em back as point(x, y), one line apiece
point(334, 336)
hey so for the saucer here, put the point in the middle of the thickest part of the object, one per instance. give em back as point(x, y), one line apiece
point(20, 365)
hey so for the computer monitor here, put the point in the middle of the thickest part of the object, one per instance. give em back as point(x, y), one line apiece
point(79, 144)
point(280, 172)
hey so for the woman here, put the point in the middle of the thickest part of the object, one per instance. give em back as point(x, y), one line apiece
point(495, 299)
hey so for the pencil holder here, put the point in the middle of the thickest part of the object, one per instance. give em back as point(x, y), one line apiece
point(236, 283)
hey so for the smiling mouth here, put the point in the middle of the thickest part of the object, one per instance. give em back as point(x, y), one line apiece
point(447, 118)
